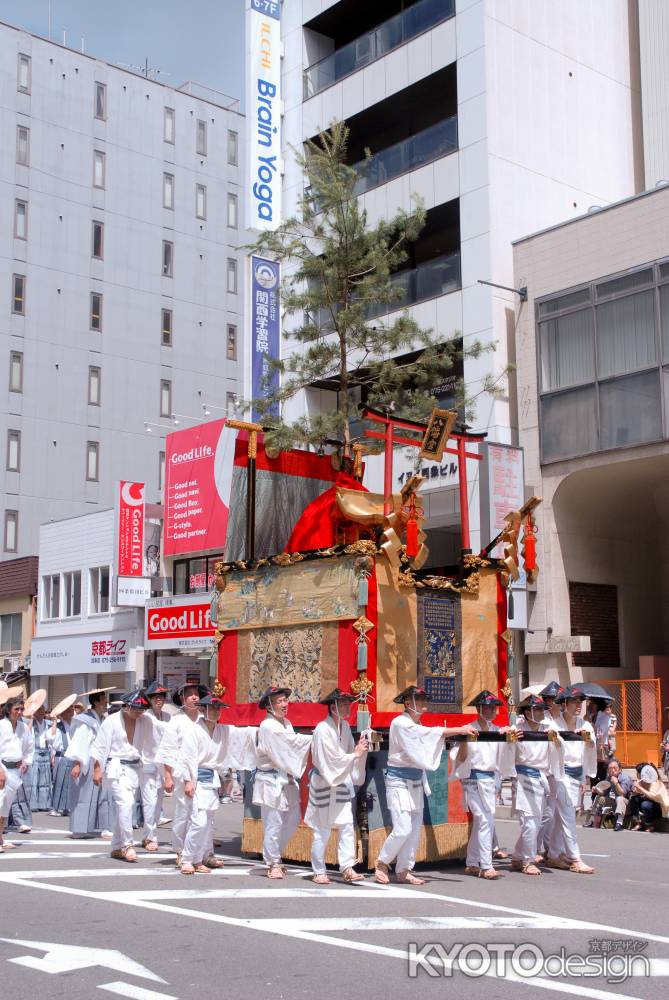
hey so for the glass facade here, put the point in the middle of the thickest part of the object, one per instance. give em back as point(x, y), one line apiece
point(604, 364)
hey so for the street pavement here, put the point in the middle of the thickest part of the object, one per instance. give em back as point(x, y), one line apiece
point(75, 924)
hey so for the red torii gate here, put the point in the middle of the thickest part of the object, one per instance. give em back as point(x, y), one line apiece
point(391, 438)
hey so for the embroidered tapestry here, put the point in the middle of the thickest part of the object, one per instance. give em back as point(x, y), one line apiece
point(439, 650)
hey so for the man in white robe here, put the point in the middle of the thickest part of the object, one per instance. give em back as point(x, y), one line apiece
point(553, 712)
point(579, 763)
point(117, 760)
point(207, 752)
point(535, 762)
point(414, 749)
point(338, 768)
point(151, 779)
point(63, 714)
point(477, 765)
point(91, 808)
point(16, 753)
point(282, 758)
point(168, 755)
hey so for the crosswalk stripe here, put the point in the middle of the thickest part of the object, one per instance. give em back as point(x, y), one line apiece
point(273, 892)
point(49, 855)
point(128, 871)
point(135, 992)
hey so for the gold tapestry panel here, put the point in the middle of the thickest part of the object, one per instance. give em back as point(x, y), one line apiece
point(479, 639)
point(304, 658)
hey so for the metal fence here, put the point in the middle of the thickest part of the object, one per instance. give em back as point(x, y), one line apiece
point(637, 707)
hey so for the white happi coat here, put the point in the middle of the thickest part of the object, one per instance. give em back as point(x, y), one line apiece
point(152, 742)
point(414, 746)
point(576, 753)
point(336, 773)
point(111, 744)
point(226, 747)
point(282, 758)
point(169, 749)
point(15, 745)
point(544, 757)
point(83, 731)
point(496, 757)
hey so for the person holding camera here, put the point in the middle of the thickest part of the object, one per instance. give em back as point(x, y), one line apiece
point(614, 793)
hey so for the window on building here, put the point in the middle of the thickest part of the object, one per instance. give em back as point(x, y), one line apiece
point(232, 211)
point(168, 125)
point(23, 74)
point(96, 311)
point(11, 530)
point(201, 138)
point(165, 397)
point(233, 148)
point(601, 376)
point(19, 294)
point(51, 596)
point(232, 276)
point(200, 201)
point(94, 385)
point(232, 342)
point(98, 240)
point(92, 461)
point(100, 101)
point(71, 594)
point(168, 258)
point(99, 168)
point(10, 634)
point(166, 327)
point(161, 471)
point(231, 401)
point(168, 191)
point(13, 451)
point(22, 145)
point(21, 219)
point(16, 371)
point(98, 590)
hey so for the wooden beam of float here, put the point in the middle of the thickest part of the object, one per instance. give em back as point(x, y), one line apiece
point(251, 453)
point(390, 438)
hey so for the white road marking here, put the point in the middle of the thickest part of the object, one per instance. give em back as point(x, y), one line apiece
point(136, 992)
point(70, 958)
point(297, 931)
point(50, 855)
point(273, 892)
point(286, 924)
point(126, 870)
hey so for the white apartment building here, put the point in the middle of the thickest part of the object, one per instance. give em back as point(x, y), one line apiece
point(121, 284)
point(505, 117)
point(83, 640)
point(593, 368)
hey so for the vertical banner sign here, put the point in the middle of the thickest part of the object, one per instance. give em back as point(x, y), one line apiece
point(502, 488)
point(198, 479)
point(130, 548)
point(265, 276)
point(263, 109)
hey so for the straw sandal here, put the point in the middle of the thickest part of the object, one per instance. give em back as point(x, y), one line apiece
point(150, 845)
point(351, 875)
point(409, 878)
point(275, 871)
point(321, 879)
point(187, 869)
point(524, 867)
point(211, 861)
point(382, 873)
point(202, 869)
point(580, 868)
point(125, 854)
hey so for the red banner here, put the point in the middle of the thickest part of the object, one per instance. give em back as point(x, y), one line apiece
point(130, 548)
point(198, 478)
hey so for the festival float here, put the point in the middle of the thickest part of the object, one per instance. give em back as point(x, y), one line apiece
point(349, 604)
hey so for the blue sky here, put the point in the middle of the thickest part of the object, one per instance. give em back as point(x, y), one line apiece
point(201, 40)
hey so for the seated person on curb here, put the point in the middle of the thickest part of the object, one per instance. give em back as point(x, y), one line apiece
point(645, 805)
point(615, 792)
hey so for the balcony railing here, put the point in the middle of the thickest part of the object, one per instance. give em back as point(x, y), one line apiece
point(424, 147)
point(427, 281)
point(367, 48)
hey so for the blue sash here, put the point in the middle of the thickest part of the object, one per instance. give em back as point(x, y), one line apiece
point(573, 772)
point(413, 773)
point(205, 775)
point(476, 775)
point(531, 772)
